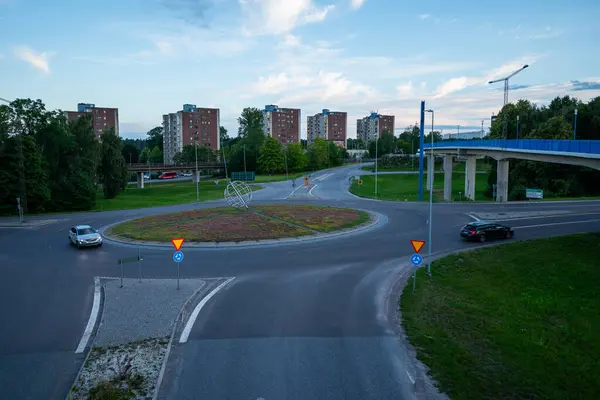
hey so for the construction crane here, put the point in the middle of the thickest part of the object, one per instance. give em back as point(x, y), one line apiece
point(506, 94)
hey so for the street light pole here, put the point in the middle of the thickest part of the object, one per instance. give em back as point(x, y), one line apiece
point(376, 158)
point(575, 126)
point(432, 170)
point(517, 127)
point(287, 176)
point(197, 174)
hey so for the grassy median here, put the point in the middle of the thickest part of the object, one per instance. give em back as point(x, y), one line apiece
point(517, 321)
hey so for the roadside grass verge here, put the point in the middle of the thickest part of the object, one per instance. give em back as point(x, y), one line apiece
point(163, 194)
point(226, 224)
point(516, 321)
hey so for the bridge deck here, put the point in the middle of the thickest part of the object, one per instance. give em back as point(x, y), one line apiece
point(537, 145)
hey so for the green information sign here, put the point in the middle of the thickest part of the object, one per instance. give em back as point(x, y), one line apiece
point(534, 193)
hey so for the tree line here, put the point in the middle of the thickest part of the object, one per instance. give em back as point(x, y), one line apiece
point(53, 164)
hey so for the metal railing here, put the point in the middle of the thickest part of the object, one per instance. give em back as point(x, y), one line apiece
point(565, 146)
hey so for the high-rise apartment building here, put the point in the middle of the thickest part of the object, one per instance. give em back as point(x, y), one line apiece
point(282, 123)
point(102, 117)
point(329, 125)
point(191, 125)
point(372, 127)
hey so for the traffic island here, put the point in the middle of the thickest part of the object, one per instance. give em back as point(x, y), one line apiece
point(219, 226)
point(518, 320)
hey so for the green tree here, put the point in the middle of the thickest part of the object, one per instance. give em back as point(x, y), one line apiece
point(249, 121)
point(156, 155)
point(145, 155)
point(296, 157)
point(334, 155)
point(155, 138)
point(318, 157)
point(556, 128)
point(271, 159)
point(112, 168)
point(131, 153)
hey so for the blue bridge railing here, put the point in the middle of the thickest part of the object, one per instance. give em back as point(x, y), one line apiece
point(566, 146)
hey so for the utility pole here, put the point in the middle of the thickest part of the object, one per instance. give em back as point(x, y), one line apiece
point(505, 80)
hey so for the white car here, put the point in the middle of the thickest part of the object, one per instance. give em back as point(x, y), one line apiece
point(187, 174)
point(84, 236)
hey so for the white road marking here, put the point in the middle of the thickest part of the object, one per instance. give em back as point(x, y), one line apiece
point(190, 323)
point(411, 378)
point(293, 191)
point(547, 216)
point(311, 189)
point(557, 223)
point(93, 317)
point(473, 216)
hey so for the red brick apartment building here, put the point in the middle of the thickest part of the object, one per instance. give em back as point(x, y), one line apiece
point(102, 117)
point(189, 126)
point(282, 123)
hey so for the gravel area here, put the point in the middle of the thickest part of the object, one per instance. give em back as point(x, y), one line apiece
point(129, 369)
point(138, 311)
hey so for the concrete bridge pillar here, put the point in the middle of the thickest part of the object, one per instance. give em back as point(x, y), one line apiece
point(140, 180)
point(502, 181)
point(430, 170)
point(448, 159)
point(470, 177)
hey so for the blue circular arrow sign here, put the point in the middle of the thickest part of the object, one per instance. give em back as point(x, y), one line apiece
point(178, 256)
point(416, 259)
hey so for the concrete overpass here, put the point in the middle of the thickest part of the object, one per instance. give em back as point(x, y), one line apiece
point(140, 169)
point(572, 152)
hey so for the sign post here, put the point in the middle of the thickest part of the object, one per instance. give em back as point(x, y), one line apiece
point(178, 255)
point(416, 259)
point(126, 260)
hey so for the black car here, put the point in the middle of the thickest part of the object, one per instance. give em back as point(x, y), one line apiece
point(482, 231)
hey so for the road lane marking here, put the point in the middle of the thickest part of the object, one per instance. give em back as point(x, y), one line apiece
point(548, 216)
point(556, 223)
point(293, 191)
point(311, 189)
point(93, 317)
point(190, 323)
point(411, 378)
point(472, 215)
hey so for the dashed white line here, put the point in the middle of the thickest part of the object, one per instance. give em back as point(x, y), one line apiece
point(190, 323)
point(473, 216)
point(411, 378)
point(93, 317)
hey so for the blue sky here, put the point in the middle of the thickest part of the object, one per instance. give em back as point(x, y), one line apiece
point(149, 57)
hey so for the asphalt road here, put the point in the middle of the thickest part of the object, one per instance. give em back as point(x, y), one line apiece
point(300, 321)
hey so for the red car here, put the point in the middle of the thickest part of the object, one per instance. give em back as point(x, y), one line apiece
point(168, 175)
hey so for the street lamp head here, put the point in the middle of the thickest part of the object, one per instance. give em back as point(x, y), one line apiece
point(525, 66)
point(490, 82)
point(430, 110)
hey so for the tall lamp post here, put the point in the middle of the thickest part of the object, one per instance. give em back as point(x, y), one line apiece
point(432, 170)
point(22, 199)
point(517, 127)
point(575, 126)
point(197, 174)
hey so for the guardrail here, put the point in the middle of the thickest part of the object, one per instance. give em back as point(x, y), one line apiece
point(565, 146)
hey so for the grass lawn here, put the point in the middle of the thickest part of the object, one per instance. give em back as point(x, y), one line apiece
point(161, 194)
point(228, 224)
point(517, 321)
point(406, 187)
point(322, 219)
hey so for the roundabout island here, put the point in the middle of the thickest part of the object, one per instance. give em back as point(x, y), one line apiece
point(257, 224)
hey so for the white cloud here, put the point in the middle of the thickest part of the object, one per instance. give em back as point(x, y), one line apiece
point(356, 4)
point(547, 33)
point(35, 59)
point(275, 17)
point(424, 16)
point(459, 83)
point(405, 90)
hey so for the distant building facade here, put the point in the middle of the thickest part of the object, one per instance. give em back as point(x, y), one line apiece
point(329, 125)
point(282, 124)
point(103, 118)
point(372, 127)
point(191, 125)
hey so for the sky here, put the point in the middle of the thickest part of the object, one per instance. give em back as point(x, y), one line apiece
point(149, 57)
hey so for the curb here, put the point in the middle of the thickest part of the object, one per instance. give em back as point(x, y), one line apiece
point(375, 220)
point(90, 345)
point(163, 367)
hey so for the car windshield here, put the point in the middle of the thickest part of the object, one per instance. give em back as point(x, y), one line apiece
point(85, 231)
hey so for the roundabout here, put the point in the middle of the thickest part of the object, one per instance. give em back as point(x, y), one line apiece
point(231, 227)
point(295, 320)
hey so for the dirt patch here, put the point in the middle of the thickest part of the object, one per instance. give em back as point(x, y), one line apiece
point(323, 219)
